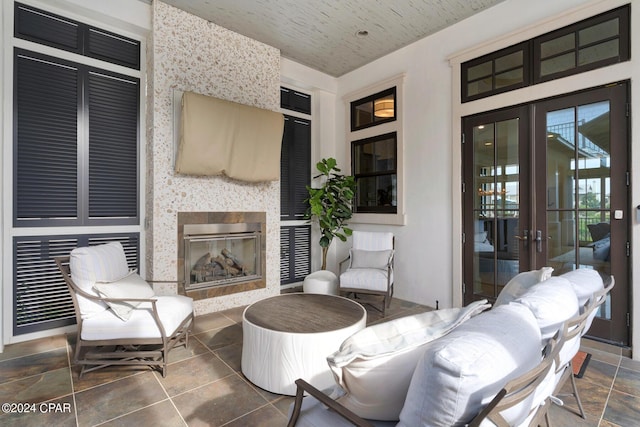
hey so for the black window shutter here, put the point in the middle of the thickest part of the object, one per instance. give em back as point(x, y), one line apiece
point(113, 48)
point(295, 167)
point(113, 146)
point(295, 253)
point(46, 28)
point(46, 113)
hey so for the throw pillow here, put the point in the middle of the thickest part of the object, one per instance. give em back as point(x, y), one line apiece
point(374, 366)
point(519, 284)
point(370, 259)
point(131, 286)
point(91, 264)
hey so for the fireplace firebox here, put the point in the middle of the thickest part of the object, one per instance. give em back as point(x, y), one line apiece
point(221, 254)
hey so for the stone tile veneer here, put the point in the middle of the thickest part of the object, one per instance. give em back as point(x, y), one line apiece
point(187, 53)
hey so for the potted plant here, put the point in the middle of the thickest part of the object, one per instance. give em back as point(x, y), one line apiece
point(330, 204)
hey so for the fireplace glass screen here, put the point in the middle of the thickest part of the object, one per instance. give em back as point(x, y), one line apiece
point(219, 254)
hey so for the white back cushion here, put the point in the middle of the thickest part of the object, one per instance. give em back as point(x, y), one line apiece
point(461, 372)
point(130, 286)
point(585, 283)
point(519, 284)
point(372, 240)
point(374, 366)
point(552, 302)
point(102, 263)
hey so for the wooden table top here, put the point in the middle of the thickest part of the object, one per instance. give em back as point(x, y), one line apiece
point(304, 313)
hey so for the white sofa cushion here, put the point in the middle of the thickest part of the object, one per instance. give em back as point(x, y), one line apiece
point(374, 366)
point(552, 302)
point(130, 286)
point(101, 263)
point(519, 284)
point(461, 372)
point(172, 310)
point(585, 283)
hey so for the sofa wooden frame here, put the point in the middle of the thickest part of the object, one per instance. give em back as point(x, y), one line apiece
point(96, 354)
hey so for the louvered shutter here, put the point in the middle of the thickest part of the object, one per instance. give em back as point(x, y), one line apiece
point(113, 146)
point(46, 112)
point(41, 298)
point(295, 247)
point(295, 168)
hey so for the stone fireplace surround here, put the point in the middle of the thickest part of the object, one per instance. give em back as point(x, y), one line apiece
point(220, 218)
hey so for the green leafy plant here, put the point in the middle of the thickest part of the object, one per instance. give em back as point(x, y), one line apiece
point(330, 204)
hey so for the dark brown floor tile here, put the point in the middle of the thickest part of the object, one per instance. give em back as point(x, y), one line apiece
point(104, 375)
point(194, 348)
point(34, 364)
point(31, 347)
point(623, 409)
point(234, 314)
point(195, 372)
point(207, 322)
point(561, 417)
point(602, 356)
point(108, 401)
point(600, 373)
point(58, 413)
point(218, 403)
point(267, 416)
point(231, 355)
point(627, 363)
point(593, 397)
point(38, 388)
point(218, 338)
point(628, 381)
point(283, 404)
point(159, 414)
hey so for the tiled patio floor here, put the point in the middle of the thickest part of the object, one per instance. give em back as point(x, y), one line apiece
point(204, 385)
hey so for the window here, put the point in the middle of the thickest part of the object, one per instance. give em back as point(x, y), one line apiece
point(295, 175)
point(374, 110)
point(592, 43)
point(495, 73)
point(75, 156)
point(374, 168)
point(64, 176)
point(375, 152)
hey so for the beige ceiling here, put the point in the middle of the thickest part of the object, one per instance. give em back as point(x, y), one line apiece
point(322, 34)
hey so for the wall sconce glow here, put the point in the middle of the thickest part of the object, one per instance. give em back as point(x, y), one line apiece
point(384, 107)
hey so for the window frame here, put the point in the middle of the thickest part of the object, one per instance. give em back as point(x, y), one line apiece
point(389, 172)
point(381, 128)
point(533, 57)
point(375, 121)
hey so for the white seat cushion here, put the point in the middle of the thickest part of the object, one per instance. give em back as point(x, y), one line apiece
point(365, 278)
point(172, 310)
point(461, 372)
point(374, 366)
point(101, 263)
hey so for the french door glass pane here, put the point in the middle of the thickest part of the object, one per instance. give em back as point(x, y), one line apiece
point(579, 190)
point(496, 206)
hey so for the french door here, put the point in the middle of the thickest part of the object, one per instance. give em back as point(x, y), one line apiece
point(546, 184)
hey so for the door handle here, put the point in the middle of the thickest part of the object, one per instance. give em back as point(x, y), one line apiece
point(524, 238)
point(538, 240)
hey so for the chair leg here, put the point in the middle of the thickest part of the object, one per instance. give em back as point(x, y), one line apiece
point(575, 390)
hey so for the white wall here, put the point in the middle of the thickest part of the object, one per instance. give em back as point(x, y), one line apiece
point(428, 260)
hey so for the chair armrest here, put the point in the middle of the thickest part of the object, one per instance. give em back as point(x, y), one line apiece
point(345, 413)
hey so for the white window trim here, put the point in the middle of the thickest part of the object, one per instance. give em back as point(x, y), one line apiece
point(400, 217)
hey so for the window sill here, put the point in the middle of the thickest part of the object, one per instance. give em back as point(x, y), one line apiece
point(386, 219)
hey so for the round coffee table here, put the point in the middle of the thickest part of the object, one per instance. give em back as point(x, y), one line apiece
point(289, 336)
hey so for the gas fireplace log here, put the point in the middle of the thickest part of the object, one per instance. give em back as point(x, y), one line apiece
point(233, 259)
point(203, 261)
